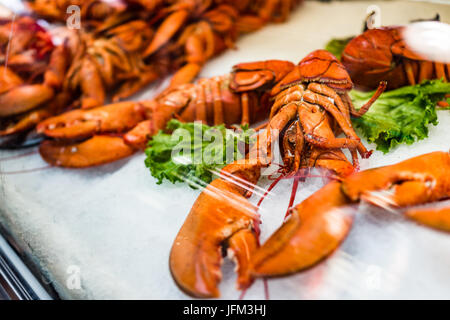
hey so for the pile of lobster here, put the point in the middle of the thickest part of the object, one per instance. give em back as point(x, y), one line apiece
point(117, 49)
point(121, 54)
point(308, 107)
point(245, 96)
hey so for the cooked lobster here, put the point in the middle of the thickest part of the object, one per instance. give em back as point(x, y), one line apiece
point(31, 77)
point(110, 59)
point(310, 107)
point(382, 54)
point(114, 131)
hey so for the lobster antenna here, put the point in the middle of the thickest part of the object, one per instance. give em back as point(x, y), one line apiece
point(8, 48)
point(230, 177)
point(272, 185)
point(292, 198)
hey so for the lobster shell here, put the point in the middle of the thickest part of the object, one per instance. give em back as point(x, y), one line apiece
point(320, 66)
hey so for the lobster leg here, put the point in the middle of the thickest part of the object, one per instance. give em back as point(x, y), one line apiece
point(292, 94)
point(268, 10)
point(409, 71)
point(57, 67)
point(133, 86)
point(28, 121)
point(426, 70)
point(340, 118)
point(440, 71)
point(249, 23)
point(185, 75)
point(167, 29)
point(91, 85)
point(274, 128)
point(199, 47)
point(349, 108)
point(318, 131)
point(332, 160)
point(24, 98)
point(328, 92)
point(322, 101)
point(364, 108)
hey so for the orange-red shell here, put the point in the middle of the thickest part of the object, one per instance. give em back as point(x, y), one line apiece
point(377, 55)
point(320, 66)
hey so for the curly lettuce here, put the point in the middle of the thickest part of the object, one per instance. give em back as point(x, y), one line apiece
point(193, 152)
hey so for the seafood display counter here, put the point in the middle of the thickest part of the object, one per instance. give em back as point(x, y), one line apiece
point(106, 232)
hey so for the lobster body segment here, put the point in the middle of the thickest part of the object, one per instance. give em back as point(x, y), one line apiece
point(259, 75)
point(318, 66)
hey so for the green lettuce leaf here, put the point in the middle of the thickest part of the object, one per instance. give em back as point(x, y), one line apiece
point(337, 46)
point(402, 115)
point(196, 159)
